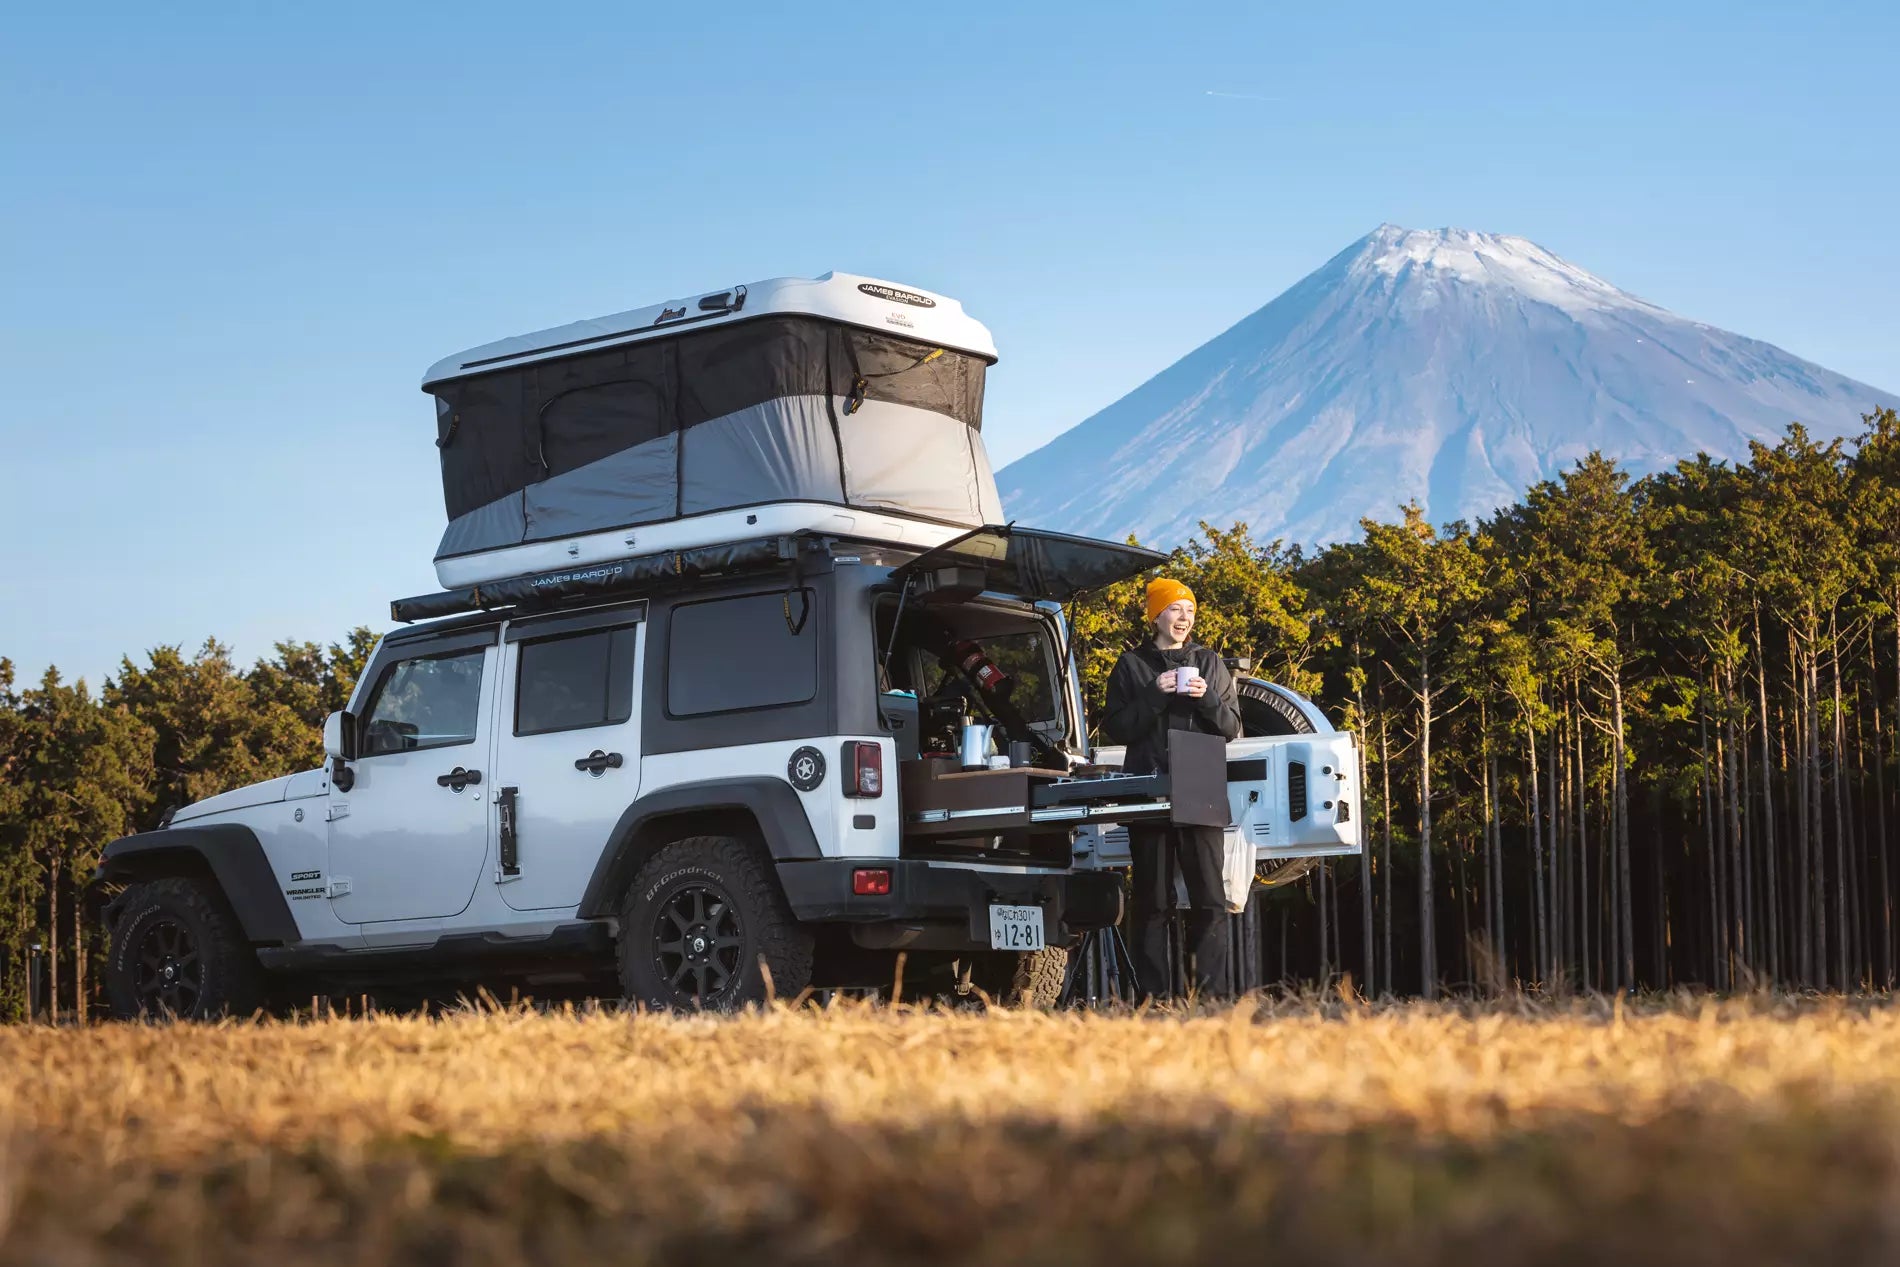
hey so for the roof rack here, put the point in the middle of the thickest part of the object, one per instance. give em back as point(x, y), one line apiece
point(617, 576)
point(1027, 562)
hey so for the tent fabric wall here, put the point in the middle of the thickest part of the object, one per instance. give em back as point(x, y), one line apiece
point(634, 486)
point(782, 450)
point(774, 409)
point(913, 461)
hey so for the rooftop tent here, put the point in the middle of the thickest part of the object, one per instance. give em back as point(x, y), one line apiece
point(798, 398)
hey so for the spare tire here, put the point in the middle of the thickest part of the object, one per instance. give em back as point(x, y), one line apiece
point(1267, 710)
point(1025, 979)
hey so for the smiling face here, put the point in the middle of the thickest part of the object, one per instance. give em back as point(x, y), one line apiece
point(1175, 623)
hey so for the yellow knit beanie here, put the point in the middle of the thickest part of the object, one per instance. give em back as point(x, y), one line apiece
point(1164, 593)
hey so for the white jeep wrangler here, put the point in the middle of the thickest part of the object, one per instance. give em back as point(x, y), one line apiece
point(718, 785)
point(704, 699)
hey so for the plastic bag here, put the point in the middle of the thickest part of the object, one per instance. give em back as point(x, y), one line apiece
point(1236, 873)
point(1236, 869)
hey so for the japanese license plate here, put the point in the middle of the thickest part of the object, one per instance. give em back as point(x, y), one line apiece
point(1016, 928)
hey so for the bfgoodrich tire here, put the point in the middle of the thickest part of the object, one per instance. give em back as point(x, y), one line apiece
point(178, 952)
point(703, 924)
point(1031, 980)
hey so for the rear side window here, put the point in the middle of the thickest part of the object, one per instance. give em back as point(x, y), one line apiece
point(738, 653)
point(574, 681)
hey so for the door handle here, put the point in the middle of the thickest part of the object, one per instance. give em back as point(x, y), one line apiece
point(598, 763)
point(458, 778)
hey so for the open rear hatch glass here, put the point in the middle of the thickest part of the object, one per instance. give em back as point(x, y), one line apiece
point(1034, 563)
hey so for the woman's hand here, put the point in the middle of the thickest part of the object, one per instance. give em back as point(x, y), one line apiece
point(1197, 687)
point(1165, 683)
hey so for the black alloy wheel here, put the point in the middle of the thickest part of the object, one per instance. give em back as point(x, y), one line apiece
point(699, 943)
point(168, 975)
point(179, 953)
point(704, 926)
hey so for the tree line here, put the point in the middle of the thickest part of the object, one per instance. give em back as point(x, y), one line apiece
point(1625, 733)
point(79, 769)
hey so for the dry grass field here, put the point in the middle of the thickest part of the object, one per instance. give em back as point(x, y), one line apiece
point(1676, 1131)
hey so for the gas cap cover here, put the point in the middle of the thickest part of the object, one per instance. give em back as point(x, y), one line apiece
point(806, 769)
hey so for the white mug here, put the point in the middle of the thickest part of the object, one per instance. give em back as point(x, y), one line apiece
point(1184, 678)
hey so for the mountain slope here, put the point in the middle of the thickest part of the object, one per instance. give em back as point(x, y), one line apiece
point(1449, 366)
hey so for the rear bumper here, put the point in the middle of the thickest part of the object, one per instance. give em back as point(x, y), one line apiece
point(952, 899)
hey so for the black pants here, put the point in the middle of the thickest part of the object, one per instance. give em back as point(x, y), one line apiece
point(1197, 859)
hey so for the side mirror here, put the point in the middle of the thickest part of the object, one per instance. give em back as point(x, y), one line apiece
point(339, 737)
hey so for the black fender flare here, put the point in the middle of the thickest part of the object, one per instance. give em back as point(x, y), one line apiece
point(770, 803)
point(229, 852)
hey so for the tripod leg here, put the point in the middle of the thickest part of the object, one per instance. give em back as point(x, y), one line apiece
point(1177, 931)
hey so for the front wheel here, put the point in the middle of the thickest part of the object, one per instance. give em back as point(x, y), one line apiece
point(702, 926)
point(178, 953)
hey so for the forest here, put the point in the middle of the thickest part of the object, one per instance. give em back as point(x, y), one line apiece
point(1625, 734)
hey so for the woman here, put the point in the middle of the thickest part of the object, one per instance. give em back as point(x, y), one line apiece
point(1144, 704)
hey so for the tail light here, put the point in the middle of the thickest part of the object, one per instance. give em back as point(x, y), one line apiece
point(871, 881)
point(864, 769)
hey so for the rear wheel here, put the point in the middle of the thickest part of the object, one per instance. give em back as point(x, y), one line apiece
point(702, 926)
point(178, 952)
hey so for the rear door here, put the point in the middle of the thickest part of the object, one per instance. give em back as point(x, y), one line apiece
point(568, 761)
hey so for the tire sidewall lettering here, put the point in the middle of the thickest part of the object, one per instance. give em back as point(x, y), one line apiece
point(131, 930)
point(692, 870)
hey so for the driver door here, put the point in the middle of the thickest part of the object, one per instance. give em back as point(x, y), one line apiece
point(408, 839)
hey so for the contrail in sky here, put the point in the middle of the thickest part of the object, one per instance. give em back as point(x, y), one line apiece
point(1240, 96)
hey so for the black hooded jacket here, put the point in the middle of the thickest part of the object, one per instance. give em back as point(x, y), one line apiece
point(1140, 715)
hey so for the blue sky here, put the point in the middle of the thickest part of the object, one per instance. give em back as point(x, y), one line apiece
point(232, 238)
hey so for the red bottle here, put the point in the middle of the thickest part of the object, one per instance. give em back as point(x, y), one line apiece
point(981, 670)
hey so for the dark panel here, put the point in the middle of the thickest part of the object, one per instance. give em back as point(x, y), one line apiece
point(770, 804)
point(429, 698)
point(1197, 779)
point(734, 367)
point(570, 681)
point(1073, 902)
point(484, 447)
point(233, 855)
point(906, 372)
point(561, 683)
point(818, 717)
point(474, 630)
point(745, 652)
point(526, 627)
point(586, 944)
point(544, 589)
point(589, 406)
point(620, 673)
point(586, 423)
point(1032, 563)
point(502, 431)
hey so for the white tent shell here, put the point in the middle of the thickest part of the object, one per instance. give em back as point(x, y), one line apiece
point(838, 404)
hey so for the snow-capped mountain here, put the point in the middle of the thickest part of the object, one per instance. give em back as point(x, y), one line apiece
point(1449, 366)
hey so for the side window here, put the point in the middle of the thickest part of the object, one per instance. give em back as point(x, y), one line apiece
point(737, 653)
point(426, 702)
point(582, 679)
